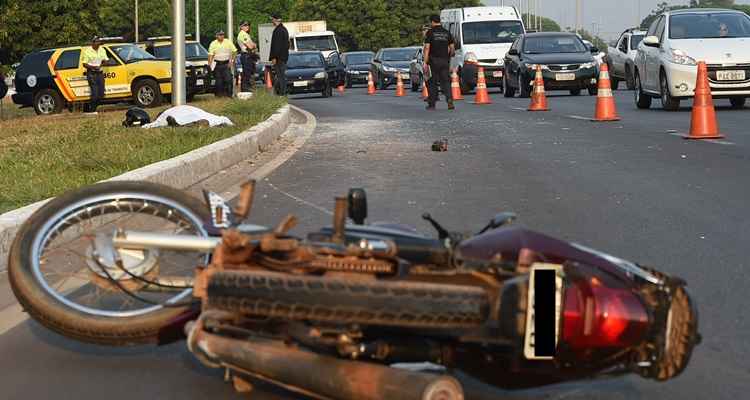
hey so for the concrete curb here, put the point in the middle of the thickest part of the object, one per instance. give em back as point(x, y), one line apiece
point(180, 172)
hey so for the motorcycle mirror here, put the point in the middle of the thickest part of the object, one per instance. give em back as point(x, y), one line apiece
point(357, 200)
point(503, 218)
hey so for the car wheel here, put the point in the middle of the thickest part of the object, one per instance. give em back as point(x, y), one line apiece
point(629, 81)
point(507, 90)
point(327, 90)
point(348, 82)
point(668, 102)
point(642, 100)
point(146, 93)
point(593, 90)
point(524, 90)
point(47, 102)
point(737, 102)
point(416, 83)
point(614, 82)
point(575, 92)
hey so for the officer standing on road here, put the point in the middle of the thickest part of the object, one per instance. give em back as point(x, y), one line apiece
point(222, 52)
point(92, 60)
point(247, 53)
point(279, 54)
point(438, 49)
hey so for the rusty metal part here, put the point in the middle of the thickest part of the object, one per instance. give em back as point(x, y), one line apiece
point(353, 264)
point(289, 222)
point(241, 385)
point(271, 243)
point(339, 219)
point(326, 376)
point(245, 202)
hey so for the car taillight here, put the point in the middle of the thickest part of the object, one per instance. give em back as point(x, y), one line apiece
point(596, 316)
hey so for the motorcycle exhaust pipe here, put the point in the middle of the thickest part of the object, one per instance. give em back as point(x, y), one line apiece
point(322, 376)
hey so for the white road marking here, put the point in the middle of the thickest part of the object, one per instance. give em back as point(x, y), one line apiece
point(580, 117)
point(715, 141)
point(13, 315)
point(303, 201)
point(518, 109)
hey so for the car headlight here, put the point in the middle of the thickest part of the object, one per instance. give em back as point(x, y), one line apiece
point(680, 57)
point(533, 67)
point(389, 69)
point(500, 61)
point(320, 75)
point(589, 64)
point(471, 58)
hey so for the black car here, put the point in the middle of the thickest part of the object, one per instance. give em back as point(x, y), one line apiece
point(416, 70)
point(308, 72)
point(357, 64)
point(391, 61)
point(567, 64)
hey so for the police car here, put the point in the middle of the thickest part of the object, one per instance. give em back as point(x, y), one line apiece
point(199, 78)
point(52, 79)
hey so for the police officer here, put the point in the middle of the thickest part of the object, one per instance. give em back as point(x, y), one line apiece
point(438, 49)
point(279, 54)
point(247, 57)
point(221, 55)
point(92, 60)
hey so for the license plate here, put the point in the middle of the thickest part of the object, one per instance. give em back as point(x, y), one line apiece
point(404, 76)
point(300, 83)
point(497, 74)
point(213, 82)
point(199, 82)
point(730, 75)
point(543, 312)
point(565, 77)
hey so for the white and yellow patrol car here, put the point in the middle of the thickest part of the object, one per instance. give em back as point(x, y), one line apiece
point(53, 79)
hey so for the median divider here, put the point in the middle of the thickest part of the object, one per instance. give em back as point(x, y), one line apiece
point(180, 172)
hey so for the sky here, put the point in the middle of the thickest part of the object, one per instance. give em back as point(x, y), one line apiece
point(608, 18)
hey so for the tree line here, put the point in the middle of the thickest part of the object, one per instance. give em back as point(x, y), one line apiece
point(26, 25)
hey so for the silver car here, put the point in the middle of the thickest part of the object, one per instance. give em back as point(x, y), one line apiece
point(667, 57)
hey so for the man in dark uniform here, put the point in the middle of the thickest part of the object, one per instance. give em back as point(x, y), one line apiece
point(221, 55)
point(438, 49)
point(92, 59)
point(279, 54)
point(248, 57)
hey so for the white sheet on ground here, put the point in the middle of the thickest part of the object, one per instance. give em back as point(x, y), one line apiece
point(185, 115)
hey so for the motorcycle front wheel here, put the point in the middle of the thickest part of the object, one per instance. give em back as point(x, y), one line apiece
point(61, 280)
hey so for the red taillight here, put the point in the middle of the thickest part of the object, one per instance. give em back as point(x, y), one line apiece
point(596, 316)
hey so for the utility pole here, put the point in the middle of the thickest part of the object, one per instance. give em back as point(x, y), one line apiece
point(579, 16)
point(136, 21)
point(198, 20)
point(230, 20)
point(178, 53)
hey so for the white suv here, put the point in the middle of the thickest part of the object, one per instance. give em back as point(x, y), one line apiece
point(665, 65)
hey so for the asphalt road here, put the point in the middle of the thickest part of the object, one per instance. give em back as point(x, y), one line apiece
point(632, 188)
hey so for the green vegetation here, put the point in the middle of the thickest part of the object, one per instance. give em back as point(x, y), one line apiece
point(42, 157)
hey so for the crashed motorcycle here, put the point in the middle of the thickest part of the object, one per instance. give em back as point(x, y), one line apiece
point(330, 315)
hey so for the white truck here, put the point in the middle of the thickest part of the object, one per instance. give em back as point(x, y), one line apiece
point(621, 56)
point(483, 35)
point(303, 35)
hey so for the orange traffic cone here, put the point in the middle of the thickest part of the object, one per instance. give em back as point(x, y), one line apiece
point(703, 124)
point(269, 83)
point(605, 103)
point(425, 92)
point(482, 96)
point(370, 84)
point(456, 87)
point(538, 98)
point(400, 86)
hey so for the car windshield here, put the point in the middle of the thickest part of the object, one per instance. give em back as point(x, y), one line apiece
point(316, 43)
point(399, 55)
point(635, 40)
point(491, 32)
point(129, 53)
point(193, 51)
point(709, 26)
point(297, 61)
point(353, 59)
point(553, 44)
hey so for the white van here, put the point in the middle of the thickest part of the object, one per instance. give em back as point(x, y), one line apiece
point(483, 35)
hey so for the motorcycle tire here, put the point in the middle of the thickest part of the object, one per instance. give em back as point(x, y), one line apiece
point(63, 315)
point(401, 304)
